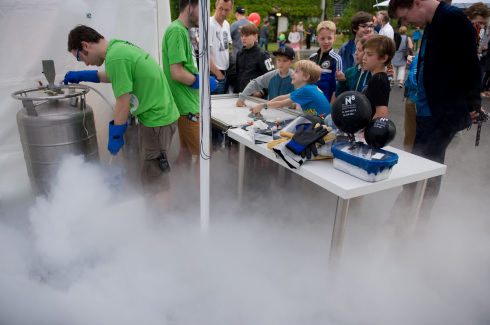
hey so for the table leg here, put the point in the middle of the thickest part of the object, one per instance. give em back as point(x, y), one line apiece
point(418, 198)
point(338, 231)
point(241, 171)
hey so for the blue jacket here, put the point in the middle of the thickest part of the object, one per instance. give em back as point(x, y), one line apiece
point(417, 35)
point(411, 82)
point(330, 62)
point(346, 52)
point(453, 90)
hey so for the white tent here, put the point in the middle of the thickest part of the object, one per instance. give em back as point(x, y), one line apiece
point(468, 3)
point(32, 31)
point(382, 4)
point(457, 3)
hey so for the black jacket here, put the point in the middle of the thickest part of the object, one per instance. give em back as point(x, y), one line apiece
point(452, 71)
point(251, 63)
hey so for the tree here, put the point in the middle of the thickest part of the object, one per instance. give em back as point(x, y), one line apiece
point(174, 9)
point(364, 5)
point(329, 12)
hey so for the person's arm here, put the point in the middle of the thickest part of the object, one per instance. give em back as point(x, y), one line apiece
point(410, 44)
point(103, 77)
point(280, 98)
point(381, 111)
point(341, 88)
point(254, 86)
point(272, 104)
point(214, 69)
point(121, 111)
point(340, 76)
point(332, 99)
point(180, 75)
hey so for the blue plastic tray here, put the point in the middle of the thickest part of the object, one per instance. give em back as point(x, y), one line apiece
point(370, 166)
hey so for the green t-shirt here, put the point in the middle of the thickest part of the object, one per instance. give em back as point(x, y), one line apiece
point(176, 48)
point(132, 70)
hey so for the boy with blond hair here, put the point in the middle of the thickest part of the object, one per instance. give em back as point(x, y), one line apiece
point(378, 52)
point(329, 61)
point(307, 94)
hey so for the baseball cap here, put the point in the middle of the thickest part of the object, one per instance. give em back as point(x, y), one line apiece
point(285, 50)
point(240, 10)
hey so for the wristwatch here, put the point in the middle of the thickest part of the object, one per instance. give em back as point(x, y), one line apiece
point(264, 105)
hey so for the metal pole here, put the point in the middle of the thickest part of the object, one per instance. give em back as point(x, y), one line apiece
point(323, 11)
point(205, 113)
point(338, 232)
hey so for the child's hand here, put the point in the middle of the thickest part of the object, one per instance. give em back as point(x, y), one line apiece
point(239, 103)
point(256, 109)
point(474, 115)
point(339, 75)
point(389, 71)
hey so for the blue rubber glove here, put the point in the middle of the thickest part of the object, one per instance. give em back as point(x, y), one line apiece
point(213, 84)
point(77, 76)
point(304, 137)
point(116, 140)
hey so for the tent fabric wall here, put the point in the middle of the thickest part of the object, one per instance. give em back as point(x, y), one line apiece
point(32, 31)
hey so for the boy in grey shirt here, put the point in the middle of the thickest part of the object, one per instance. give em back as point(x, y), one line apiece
point(277, 82)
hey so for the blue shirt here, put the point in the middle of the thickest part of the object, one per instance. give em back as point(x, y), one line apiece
point(346, 52)
point(312, 100)
point(411, 82)
point(330, 62)
point(417, 35)
point(422, 103)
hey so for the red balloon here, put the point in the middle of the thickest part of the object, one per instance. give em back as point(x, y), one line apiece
point(254, 18)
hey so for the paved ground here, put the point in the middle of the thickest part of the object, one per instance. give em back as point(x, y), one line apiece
point(263, 262)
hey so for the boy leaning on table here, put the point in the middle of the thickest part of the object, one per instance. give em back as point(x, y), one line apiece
point(277, 82)
point(307, 94)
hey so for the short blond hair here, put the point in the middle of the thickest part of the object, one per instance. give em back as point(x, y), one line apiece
point(309, 68)
point(326, 24)
point(402, 30)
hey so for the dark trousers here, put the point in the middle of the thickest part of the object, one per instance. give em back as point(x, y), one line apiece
point(415, 45)
point(430, 143)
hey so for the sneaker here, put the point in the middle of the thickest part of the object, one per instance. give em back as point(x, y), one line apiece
point(400, 85)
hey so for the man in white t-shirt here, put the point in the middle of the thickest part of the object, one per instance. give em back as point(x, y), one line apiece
point(219, 41)
point(386, 28)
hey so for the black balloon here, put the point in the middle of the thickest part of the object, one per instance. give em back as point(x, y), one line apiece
point(379, 132)
point(351, 111)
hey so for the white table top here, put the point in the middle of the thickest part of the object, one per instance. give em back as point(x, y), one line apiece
point(410, 168)
point(225, 112)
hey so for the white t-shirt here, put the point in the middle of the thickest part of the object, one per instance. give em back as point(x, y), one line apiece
point(294, 37)
point(220, 39)
point(387, 30)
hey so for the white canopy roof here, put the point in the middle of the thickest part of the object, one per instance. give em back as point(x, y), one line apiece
point(457, 3)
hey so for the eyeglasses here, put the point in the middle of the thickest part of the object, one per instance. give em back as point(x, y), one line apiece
point(78, 57)
point(366, 26)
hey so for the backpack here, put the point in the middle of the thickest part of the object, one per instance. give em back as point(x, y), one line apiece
point(398, 39)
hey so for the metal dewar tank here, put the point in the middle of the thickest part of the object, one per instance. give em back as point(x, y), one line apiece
point(55, 121)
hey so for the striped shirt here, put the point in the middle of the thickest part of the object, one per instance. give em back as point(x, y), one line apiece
point(330, 62)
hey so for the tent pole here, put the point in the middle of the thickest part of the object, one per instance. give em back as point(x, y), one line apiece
point(205, 114)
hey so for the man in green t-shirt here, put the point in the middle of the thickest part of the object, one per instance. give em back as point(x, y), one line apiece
point(180, 68)
point(140, 88)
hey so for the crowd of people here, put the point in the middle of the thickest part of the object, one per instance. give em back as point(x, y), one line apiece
point(441, 101)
